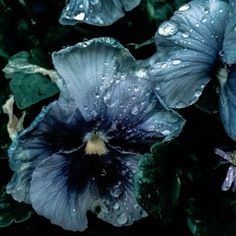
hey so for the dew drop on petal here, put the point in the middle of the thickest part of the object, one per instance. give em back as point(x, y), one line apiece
point(163, 65)
point(204, 19)
point(116, 206)
point(186, 34)
point(143, 213)
point(176, 62)
point(116, 190)
point(166, 132)
point(185, 7)
point(206, 10)
point(180, 105)
point(197, 93)
point(168, 28)
point(79, 15)
point(122, 219)
point(135, 111)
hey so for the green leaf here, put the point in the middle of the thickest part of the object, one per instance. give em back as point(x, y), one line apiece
point(158, 11)
point(157, 182)
point(29, 82)
point(28, 89)
point(12, 211)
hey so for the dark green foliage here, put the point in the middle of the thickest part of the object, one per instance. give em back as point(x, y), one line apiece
point(12, 211)
point(29, 89)
point(157, 183)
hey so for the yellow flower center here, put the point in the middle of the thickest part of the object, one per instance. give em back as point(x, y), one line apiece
point(95, 145)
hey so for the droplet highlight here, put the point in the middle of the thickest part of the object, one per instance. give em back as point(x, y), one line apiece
point(168, 28)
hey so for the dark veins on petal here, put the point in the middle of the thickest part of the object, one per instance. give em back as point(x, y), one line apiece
point(106, 171)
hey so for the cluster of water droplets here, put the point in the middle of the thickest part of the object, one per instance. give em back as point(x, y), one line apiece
point(82, 10)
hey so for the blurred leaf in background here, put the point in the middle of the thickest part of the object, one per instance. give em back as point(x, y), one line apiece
point(12, 211)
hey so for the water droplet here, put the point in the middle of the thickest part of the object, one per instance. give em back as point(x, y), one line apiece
point(94, 113)
point(163, 65)
point(116, 206)
point(97, 95)
point(204, 19)
point(197, 93)
point(117, 190)
point(168, 28)
point(128, 163)
point(186, 34)
point(185, 7)
point(149, 128)
point(221, 53)
point(166, 132)
point(143, 213)
point(122, 219)
point(176, 62)
point(135, 111)
point(180, 105)
point(79, 15)
point(206, 10)
point(197, 25)
point(157, 88)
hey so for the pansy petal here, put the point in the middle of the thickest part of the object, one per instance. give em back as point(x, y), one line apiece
point(53, 197)
point(229, 179)
point(159, 122)
point(95, 12)
point(187, 47)
point(40, 140)
point(228, 102)
point(118, 206)
point(89, 69)
point(223, 154)
point(229, 46)
point(135, 111)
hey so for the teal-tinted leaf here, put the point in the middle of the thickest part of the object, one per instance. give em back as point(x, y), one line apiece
point(196, 219)
point(158, 11)
point(12, 211)
point(29, 89)
point(157, 182)
point(30, 83)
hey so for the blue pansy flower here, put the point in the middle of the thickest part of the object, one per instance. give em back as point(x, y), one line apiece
point(230, 179)
point(81, 152)
point(95, 12)
point(199, 40)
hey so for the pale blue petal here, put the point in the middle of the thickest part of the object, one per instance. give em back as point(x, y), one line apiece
point(90, 69)
point(187, 47)
point(227, 106)
point(229, 46)
point(229, 179)
point(40, 140)
point(136, 113)
point(52, 197)
point(95, 12)
point(119, 206)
